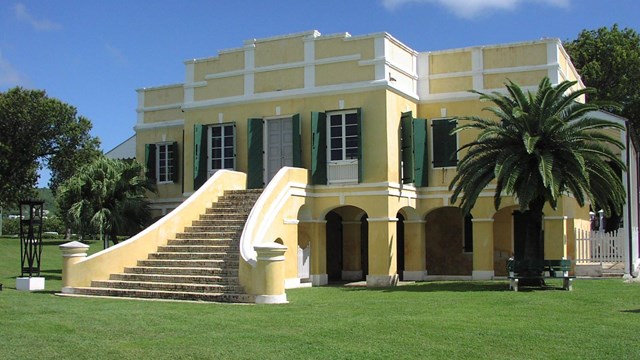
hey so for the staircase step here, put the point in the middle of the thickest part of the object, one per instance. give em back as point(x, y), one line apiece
point(213, 228)
point(168, 295)
point(228, 211)
point(177, 279)
point(213, 242)
point(166, 270)
point(188, 263)
point(221, 222)
point(169, 286)
point(229, 249)
point(218, 217)
point(209, 235)
point(228, 258)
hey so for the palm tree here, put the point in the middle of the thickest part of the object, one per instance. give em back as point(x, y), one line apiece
point(109, 195)
point(542, 146)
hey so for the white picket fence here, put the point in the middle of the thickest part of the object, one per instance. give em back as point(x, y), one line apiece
point(599, 247)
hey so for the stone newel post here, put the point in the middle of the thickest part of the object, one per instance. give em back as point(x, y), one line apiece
point(270, 274)
point(72, 253)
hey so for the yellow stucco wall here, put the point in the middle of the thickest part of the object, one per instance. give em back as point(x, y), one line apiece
point(279, 51)
point(219, 88)
point(327, 47)
point(278, 80)
point(514, 56)
point(224, 62)
point(450, 62)
point(163, 95)
point(522, 78)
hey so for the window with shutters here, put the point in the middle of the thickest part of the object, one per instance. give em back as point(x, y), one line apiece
point(165, 166)
point(343, 135)
point(222, 154)
point(444, 143)
point(343, 149)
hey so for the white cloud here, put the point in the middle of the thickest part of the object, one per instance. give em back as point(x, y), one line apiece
point(469, 9)
point(9, 75)
point(39, 24)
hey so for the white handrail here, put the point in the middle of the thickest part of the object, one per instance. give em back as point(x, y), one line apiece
point(263, 213)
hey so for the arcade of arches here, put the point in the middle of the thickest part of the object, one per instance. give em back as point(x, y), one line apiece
point(352, 246)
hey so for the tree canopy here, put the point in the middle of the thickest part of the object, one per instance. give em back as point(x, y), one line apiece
point(37, 131)
point(543, 145)
point(106, 195)
point(539, 147)
point(609, 61)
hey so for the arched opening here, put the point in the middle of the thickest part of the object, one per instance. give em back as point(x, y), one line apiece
point(446, 250)
point(334, 246)
point(346, 244)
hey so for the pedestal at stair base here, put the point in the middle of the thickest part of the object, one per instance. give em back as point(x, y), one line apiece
point(270, 269)
point(30, 283)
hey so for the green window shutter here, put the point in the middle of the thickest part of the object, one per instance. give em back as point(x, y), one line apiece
point(319, 148)
point(360, 152)
point(407, 150)
point(420, 155)
point(445, 145)
point(175, 161)
point(150, 161)
point(255, 166)
point(199, 156)
point(297, 141)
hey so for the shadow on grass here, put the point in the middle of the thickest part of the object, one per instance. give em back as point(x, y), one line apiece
point(634, 311)
point(435, 286)
point(447, 286)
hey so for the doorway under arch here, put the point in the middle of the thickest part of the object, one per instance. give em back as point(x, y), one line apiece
point(346, 244)
point(445, 243)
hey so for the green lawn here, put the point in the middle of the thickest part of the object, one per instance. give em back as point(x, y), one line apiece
point(600, 319)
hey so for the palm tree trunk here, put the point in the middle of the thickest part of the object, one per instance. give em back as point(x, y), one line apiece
point(532, 247)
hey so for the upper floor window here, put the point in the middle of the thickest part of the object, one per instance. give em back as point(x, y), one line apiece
point(161, 160)
point(343, 135)
point(336, 147)
point(165, 166)
point(222, 154)
point(444, 143)
point(214, 149)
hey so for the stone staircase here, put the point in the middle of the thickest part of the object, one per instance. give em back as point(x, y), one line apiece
point(200, 264)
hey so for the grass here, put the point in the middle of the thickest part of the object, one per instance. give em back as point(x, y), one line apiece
point(600, 319)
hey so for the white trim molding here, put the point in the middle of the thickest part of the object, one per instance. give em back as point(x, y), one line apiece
point(159, 125)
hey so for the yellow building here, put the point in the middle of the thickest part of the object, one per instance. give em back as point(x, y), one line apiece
point(349, 137)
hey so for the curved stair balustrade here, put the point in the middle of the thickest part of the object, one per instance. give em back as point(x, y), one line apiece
point(263, 225)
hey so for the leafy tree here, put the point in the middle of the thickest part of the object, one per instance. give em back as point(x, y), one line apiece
point(36, 131)
point(109, 196)
point(609, 60)
point(541, 147)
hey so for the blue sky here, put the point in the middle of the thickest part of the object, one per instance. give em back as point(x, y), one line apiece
point(95, 54)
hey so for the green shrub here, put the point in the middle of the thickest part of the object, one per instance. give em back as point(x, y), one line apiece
point(51, 224)
point(10, 227)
